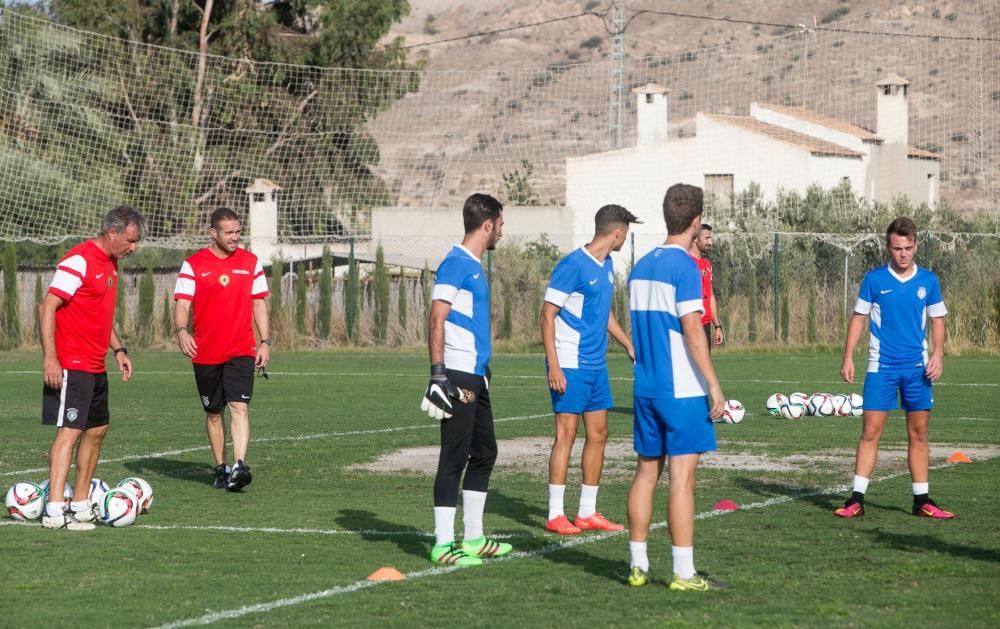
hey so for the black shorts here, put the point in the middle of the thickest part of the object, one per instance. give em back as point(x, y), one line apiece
point(218, 385)
point(81, 402)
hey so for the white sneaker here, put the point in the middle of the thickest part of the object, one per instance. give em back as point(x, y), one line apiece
point(86, 516)
point(66, 520)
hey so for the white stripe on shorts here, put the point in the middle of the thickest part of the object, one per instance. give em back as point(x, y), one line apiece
point(62, 399)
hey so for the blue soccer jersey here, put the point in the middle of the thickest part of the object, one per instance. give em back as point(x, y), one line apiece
point(582, 287)
point(899, 308)
point(664, 286)
point(460, 281)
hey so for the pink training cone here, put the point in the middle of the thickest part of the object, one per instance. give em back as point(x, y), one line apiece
point(387, 573)
point(726, 505)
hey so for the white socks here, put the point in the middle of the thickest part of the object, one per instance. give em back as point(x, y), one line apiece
point(556, 493)
point(80, 507)
point(637, 556)
point(861, 484)
point(53, 509)
point(683, 561)
point(588, 501)
point(920, 489)
point(473, 504)
point(444, 525)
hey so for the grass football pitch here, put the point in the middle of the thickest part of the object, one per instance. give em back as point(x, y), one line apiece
point(343, 461)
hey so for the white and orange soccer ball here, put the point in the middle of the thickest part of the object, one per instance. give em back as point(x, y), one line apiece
point(733, 412)
point(142, 490)
point(25, 501)
point(118, 507)
point(774, 403)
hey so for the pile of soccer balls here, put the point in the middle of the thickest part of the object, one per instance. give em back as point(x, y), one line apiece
point(798, 405)
point(116, 506)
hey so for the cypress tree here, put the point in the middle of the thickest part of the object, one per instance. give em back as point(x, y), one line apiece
point(325, 295)
point(300, 299)
point(381, 290)
point(11, 303)
point(401, 311)
point(147, 298)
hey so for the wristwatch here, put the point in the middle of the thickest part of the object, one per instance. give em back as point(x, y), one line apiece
point(122, 349)
point(266, 341)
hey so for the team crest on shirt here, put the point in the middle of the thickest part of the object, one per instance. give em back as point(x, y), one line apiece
point(224, 280)
point(72, 414)
point(921, 292)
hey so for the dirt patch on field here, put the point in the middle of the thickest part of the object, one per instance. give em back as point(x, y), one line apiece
point(531, 455)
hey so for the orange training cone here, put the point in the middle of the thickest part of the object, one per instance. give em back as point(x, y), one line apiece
point(387, 573)
point(959, 457)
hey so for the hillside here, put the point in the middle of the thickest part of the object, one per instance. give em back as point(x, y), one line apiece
point(509, 102)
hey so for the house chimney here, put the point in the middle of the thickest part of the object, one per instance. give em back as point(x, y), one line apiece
point(263, 206)
point(892, 111)
point(651, 114)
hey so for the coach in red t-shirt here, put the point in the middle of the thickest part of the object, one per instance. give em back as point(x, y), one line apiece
point(226, 287)
point(75, 323)
point(699, 250)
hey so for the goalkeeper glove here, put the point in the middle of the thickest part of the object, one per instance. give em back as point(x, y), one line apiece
point(440, 391)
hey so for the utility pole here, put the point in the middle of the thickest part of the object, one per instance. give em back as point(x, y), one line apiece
point(616, 86)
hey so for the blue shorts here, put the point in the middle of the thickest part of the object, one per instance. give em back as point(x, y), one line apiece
point(672, 426)
point(914, 388)
point(586, 390)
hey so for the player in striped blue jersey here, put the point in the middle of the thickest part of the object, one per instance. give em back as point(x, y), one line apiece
point(458, 337)
point(576, 319)
point(677, 393)
point(899, 298)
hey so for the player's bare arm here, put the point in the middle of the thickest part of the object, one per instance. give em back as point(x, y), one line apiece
point(263, 324)
point(719, 335)
point(619, 335)
point(935, 363)
point(547, 322)
point(854, 328)
point(435, 329)
point(182, 314)
point(697, 344)
point(121, 356)
point(51, 369)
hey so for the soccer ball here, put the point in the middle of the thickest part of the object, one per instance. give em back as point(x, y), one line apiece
point(118, 507)
point(142, 490)
point(857, 404)
point(67, 491)
point(792, 411)
point(25, 501)
point(733, 412)
point(820, 404)
point(97, 490)
point(799, 398)
point(841, 405)
point(774, 403)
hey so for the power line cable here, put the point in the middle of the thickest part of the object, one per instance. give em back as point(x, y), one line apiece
point(507, 29)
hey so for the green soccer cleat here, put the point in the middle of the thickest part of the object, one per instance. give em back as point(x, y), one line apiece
point(485, 548)
point(697, 583)
point(638, 577)
point(451, 554)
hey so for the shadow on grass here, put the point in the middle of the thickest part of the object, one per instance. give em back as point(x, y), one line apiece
point(201, 473)
point(552, 547)
point(411, 541)
point(925, 543)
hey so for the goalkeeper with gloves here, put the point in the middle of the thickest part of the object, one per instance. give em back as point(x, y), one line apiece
point(458, 332)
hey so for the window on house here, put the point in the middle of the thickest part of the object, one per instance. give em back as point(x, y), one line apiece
point(649, 99)
point(719, 190)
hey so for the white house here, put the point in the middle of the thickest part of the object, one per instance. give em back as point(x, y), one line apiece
point(777, 147)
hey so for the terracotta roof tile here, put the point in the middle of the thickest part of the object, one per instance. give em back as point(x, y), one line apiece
point(813, 145)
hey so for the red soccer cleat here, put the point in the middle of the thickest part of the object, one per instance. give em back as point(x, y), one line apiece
point(597, 522)
point(561, 526)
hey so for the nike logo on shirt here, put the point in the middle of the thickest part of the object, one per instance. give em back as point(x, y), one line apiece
point(99, 276)
point(476, 276)
point(206, 273)
point(593, 281)
point(888, 290)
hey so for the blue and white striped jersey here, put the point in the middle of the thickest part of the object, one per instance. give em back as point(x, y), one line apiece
point(460, 281)
point(582, 287)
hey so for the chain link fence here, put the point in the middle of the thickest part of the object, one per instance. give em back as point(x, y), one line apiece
point(793, 289)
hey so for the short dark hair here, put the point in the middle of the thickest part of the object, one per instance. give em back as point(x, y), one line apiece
point(705, 227)
point(121, 217)
point(902, 226)
point(478, 209)
point(611, 217)
point(681, 205)
point(223, 214)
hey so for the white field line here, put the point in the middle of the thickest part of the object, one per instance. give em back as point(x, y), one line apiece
point(260, 608)
point(540, 376)
point(320, 435)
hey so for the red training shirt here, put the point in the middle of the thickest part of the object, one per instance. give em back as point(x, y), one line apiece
point(221, 292)
point(87, 281)
point(705, 267)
